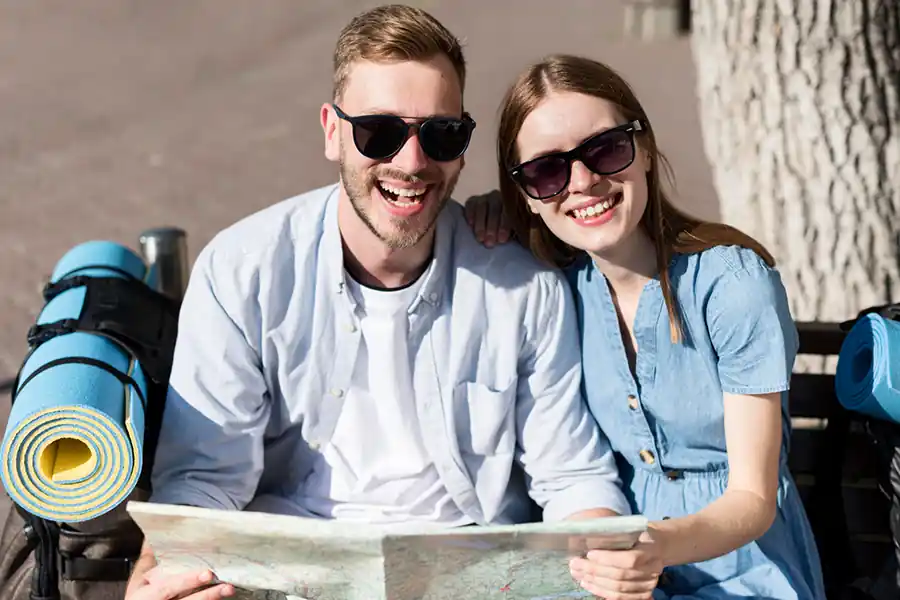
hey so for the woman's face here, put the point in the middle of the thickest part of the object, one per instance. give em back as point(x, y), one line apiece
point(595, 213)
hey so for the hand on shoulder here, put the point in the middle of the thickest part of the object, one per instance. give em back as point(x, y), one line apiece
point(486, 217)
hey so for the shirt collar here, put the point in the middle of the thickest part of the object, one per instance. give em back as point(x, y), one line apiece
point(434, 287)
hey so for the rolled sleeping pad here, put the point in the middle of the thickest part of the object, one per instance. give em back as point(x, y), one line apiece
point(867, 380)
point(73, 446)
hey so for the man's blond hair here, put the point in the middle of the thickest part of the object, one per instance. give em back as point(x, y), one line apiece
point(390, 33)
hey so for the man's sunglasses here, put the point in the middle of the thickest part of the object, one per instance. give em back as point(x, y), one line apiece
point(381, 136)
point(606, 153)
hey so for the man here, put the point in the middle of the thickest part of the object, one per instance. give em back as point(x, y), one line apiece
point(354, 353)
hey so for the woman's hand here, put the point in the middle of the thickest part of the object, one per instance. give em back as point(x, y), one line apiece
point(487, 219)
point(620, 574)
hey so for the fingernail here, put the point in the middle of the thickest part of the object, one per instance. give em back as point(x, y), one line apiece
point(227, 591)
point(206, 576)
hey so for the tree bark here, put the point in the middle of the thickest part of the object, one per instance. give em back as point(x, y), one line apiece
point(800, 106)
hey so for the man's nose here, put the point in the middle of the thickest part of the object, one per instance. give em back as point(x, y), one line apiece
point(411, 158)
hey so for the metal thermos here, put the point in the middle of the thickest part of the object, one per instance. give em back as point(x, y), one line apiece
point(165, 249)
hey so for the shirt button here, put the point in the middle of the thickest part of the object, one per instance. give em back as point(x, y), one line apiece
point(351, 328)
point(314, 445)
point(673, 475)
point(337, 393)
point(632, 402)
point(647, 457)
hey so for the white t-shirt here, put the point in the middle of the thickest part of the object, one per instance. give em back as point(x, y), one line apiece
point(376, 468)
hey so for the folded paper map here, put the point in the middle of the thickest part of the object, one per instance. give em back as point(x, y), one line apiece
point(274, 557)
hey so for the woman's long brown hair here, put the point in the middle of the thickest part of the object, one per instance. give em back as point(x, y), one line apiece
point(671, 230)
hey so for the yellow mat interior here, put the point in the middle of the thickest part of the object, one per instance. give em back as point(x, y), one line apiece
point(67, 459)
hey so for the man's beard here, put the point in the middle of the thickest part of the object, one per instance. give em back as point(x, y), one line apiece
point(405, 232)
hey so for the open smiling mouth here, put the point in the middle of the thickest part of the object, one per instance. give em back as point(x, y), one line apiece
point(600, 209)
point(402, 197)
point(404, 202)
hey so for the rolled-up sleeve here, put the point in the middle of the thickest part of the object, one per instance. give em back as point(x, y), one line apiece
point(210, 450)
point(567, 460)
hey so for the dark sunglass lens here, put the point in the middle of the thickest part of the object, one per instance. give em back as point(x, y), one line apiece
point(444, 139)
point(544, 177)
point(379, 137)
point(609, 152)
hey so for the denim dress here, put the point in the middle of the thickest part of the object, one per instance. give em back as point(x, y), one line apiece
point(665, 421)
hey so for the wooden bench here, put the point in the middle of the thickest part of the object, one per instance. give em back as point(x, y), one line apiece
point(835, 464)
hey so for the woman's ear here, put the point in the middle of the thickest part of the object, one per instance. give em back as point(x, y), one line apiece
point(532, 205)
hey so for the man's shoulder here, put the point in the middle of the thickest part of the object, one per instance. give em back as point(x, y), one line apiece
point(508, 266)
point(469, 252)
point(288, 226)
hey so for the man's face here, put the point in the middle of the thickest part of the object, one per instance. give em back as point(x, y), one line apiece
point(398, 198)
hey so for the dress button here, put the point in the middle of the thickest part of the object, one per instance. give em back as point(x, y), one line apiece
point(632, 402)
point(337, 393)
point(647, 457)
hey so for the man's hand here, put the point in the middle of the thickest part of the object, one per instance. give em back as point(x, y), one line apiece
point(147, 582)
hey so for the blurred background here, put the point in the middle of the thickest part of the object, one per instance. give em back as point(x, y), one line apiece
point(121, 115)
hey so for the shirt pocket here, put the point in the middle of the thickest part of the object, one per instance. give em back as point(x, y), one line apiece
point(485, 418)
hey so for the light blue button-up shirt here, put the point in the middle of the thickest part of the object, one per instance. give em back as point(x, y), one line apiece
point(268, 339)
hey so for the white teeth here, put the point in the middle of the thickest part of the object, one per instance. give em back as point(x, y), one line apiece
point(595, 210)
point(403, 192)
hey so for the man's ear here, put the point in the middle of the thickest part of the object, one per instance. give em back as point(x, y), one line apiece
point(331, 127)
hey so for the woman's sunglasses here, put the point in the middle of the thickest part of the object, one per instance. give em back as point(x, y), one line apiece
point(381, 136)
point(606, 153)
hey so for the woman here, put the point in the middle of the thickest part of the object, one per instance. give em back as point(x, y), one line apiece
point(687, 340)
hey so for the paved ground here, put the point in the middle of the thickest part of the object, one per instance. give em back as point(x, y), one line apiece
point(122, 115)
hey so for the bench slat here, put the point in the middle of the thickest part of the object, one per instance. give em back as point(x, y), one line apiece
point(821, 339)
point(813, 395)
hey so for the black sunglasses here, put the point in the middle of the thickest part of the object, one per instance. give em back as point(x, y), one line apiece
point(606, 153)
point(381, 136)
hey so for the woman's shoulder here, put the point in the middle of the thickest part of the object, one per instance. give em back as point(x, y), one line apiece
point(724, 261)
point(727, 278)
point(578, 270)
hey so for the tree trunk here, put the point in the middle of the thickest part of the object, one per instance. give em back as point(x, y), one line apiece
point(800, 106)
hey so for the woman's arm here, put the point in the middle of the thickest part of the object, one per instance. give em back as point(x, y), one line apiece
point(743, 513)
point(755, 341)
point(747, 508)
